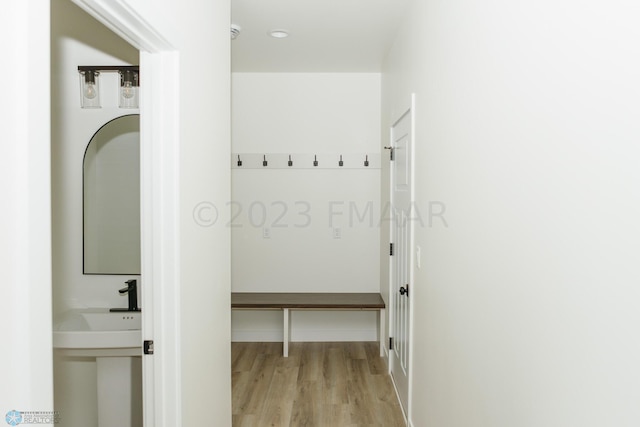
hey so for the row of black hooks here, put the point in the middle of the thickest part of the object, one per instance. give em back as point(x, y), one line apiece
point(265, 162)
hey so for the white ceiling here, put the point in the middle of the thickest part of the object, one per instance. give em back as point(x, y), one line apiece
point(325, 35)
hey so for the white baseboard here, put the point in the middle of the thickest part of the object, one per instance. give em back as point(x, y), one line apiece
point(324, 335)
point(404, 413)
point(303, 335)
point(256, 335)
point(385, 357)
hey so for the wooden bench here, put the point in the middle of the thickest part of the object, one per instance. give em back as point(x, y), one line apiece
point(310, 301)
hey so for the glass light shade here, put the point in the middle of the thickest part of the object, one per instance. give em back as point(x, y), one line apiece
point(89, 89)
point(128, 91)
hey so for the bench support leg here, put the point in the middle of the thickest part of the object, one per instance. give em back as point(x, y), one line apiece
point(285, 339)
point(381, 325)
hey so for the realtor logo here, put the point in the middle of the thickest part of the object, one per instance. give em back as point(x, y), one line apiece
point(13, 418)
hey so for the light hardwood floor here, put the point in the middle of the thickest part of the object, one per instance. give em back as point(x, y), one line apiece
point(319, 385)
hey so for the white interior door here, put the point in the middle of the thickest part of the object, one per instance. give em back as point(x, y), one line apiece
point(401, 259)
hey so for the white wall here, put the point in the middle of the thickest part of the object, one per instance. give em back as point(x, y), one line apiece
point(199, 32)
point(303, 114)
point(527, 129)
point(25, 224)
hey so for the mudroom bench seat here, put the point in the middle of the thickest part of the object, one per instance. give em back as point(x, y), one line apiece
point(289, 301)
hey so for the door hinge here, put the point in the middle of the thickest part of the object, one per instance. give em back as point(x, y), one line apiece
point(390, 343)
point(148, 347)
point(404, 290)
point(390, 249)
point(391, 149)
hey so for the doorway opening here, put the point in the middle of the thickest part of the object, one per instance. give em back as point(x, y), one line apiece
point(308, 126)
point(77, 39)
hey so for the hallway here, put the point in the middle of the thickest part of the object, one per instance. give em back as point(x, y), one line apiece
point(319, 384)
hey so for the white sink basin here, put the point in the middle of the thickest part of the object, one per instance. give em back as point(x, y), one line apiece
point(116, 321)
point(98, 332)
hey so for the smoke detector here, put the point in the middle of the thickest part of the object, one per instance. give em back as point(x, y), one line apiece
point(235, 31)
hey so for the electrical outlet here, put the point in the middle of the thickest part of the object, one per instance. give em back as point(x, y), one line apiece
point(266, 233)
point(337, 233)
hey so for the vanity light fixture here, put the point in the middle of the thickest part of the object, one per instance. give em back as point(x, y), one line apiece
point(127, 89)
point(89, 88)
point(128, 93)
point(279, 33)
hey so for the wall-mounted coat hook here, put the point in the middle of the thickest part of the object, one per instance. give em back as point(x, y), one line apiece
point(294, 161)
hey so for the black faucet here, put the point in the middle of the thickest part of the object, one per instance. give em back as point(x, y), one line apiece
point(132, 292)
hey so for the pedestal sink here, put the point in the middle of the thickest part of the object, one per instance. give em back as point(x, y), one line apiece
point(98, 332)
point(115, 340)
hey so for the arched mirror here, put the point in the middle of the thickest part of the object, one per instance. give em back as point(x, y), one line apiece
point(111, 198)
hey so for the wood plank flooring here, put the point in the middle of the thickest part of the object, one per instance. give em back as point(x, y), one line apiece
point(319, 385)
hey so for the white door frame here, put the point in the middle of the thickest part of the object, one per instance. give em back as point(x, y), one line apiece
point(160, 228)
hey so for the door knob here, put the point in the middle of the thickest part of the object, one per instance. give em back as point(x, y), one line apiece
point(404, 291)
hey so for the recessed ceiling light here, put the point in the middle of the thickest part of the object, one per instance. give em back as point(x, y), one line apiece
point(279, 34)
